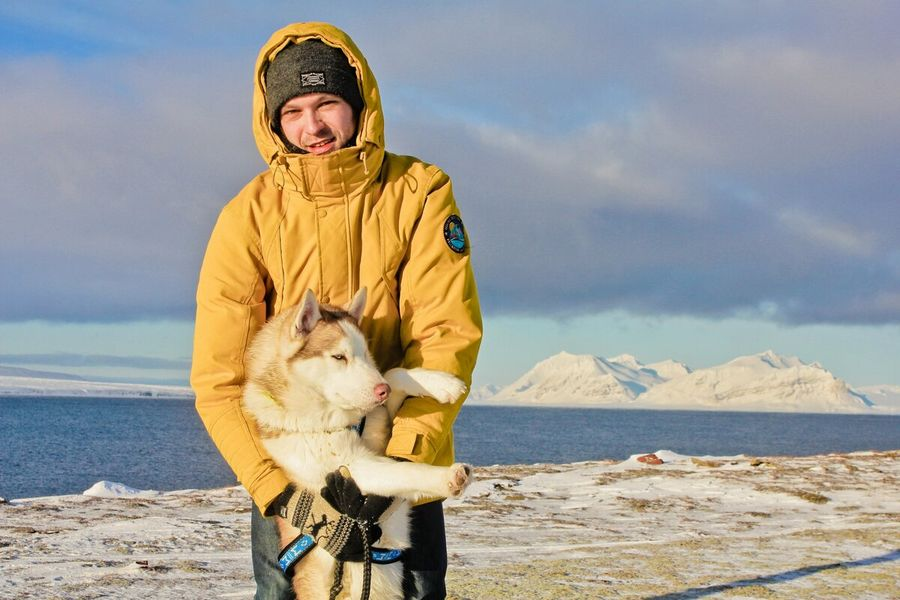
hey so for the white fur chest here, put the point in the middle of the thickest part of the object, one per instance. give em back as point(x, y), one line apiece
point(309, 457)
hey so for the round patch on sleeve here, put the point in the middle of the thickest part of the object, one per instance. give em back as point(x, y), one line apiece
point(455, 234)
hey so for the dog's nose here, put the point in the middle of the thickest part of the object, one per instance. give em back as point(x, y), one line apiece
point(382, 391)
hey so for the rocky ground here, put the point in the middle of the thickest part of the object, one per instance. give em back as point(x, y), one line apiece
point(812, 527)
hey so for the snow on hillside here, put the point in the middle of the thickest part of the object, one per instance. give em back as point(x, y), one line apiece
point(761, 382)
point(39, 386)
point(580, 379)
point(882, 396)
point(626, 360)
point(669, 369)
point(485, 392)
point(21, 372)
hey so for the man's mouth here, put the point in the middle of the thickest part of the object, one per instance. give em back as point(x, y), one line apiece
point(320, 147)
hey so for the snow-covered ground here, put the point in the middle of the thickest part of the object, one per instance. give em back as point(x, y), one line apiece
point(738, 527)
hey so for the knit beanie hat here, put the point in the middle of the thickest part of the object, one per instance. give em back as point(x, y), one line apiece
point(312, 66)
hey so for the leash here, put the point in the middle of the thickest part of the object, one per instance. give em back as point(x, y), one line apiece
point(378, 556)
point(337, 584)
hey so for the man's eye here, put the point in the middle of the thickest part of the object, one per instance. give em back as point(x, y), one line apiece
point(339, 357)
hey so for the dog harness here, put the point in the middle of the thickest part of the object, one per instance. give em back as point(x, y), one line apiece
point(304, 543)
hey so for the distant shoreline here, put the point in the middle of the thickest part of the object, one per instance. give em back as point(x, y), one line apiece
point(873, 410)
point(105, 396)
point(149, 394)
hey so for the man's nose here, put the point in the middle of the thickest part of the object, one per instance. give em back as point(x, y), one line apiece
point(312, 123)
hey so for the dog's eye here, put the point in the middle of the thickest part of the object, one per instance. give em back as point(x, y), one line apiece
point(339, 357)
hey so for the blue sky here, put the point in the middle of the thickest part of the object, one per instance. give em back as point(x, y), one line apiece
point(689, 180)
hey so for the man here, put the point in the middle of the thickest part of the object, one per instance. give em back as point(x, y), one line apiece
point(334, 212)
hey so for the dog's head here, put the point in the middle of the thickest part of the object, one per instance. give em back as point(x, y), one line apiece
point(323, 362)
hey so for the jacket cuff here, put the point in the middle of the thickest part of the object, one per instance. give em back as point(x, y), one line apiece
point(267, 492)
point(412, 445)
point(280, 500)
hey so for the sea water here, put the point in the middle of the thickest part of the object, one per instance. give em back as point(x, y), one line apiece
point(52, 446)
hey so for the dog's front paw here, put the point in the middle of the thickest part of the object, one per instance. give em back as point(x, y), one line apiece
point(460, 477)
point(443, 387)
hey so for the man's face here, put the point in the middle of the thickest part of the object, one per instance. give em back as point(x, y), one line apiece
point(318, 123)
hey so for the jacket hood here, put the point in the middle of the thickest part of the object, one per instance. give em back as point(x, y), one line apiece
point(310, 173)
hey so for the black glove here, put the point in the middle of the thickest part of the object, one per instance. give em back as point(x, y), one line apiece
point(359, 517)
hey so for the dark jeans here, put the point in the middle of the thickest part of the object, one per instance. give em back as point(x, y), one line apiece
point(426, 560)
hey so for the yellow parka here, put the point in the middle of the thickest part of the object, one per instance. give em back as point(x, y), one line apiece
point(356, 217)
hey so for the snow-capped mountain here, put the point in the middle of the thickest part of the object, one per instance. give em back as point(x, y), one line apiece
point(574, 379)
point(44, 386)
point(20, 372)
point(482, 393)
point(669, 369)
point(760, 382)
point(882, 396)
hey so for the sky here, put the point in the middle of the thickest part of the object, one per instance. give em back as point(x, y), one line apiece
point(692, 180)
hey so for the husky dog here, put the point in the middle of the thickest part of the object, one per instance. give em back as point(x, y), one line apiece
point(310, 379)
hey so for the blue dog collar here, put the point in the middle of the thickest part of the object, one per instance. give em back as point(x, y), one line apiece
point(296, 550)
point(358, 428)
point(380, 556)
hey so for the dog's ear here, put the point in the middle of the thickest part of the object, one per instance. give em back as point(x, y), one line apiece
point(357, 305)
point(307, 316)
